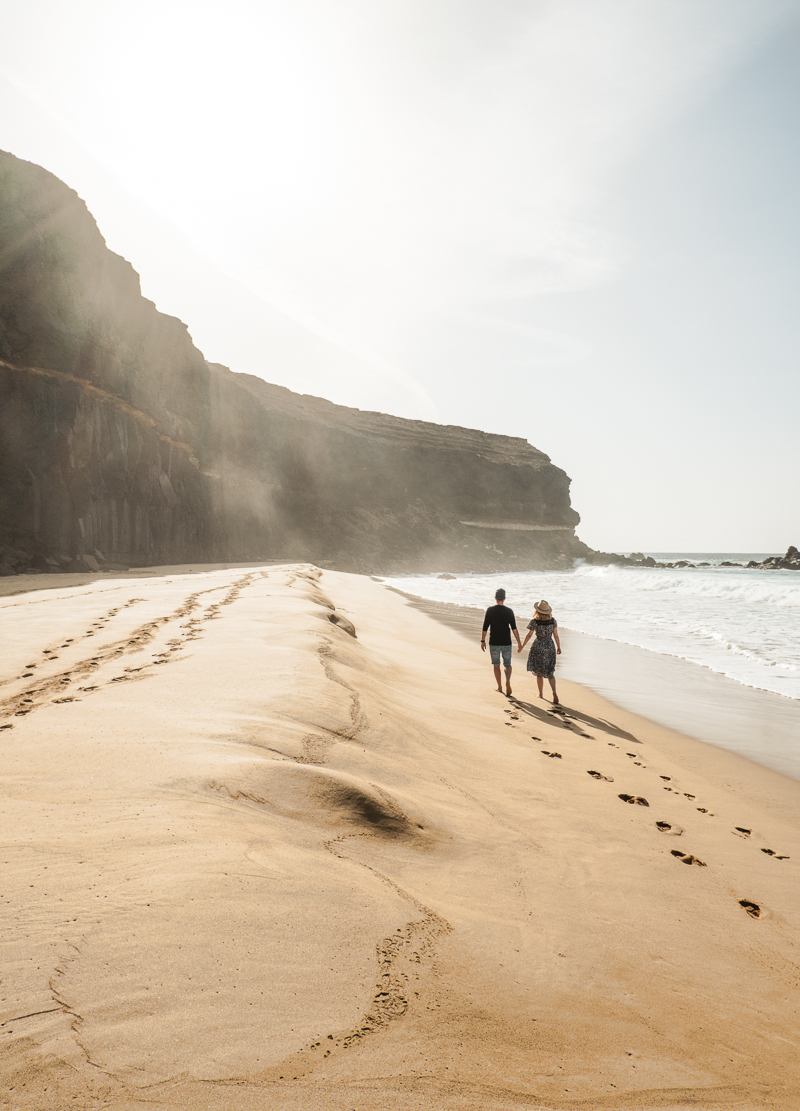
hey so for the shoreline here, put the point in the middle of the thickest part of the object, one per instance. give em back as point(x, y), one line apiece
point(688, 698)
point(274, 838)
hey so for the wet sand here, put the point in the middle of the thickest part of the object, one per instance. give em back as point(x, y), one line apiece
point(759, 725)
point(253, 861)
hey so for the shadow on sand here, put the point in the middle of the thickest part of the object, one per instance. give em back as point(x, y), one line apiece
point(564, 716)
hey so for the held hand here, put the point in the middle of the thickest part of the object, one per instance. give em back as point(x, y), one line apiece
point(558, 651)
point(483, 646)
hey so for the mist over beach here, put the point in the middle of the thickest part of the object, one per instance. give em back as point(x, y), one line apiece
point(399, 590)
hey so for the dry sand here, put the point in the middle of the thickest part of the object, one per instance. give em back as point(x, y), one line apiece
point(253, 862)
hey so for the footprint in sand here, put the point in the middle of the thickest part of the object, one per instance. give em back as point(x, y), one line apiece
point(771, 852)
point(552, 755)
point(667, 777)
point(687, 858)
point(741, 830)
point(599, 775)
point(753, 909)
point(667, 827)
point(634, 799)
point(686, 795)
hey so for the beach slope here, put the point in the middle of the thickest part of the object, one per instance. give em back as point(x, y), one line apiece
point(272, 840)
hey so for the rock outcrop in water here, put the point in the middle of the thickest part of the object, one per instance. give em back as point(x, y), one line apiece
point(120, 444)
point(788, 562)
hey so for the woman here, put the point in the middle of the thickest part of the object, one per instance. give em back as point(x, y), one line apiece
point(542, 656)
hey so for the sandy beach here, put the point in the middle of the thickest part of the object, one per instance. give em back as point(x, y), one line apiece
point(692, 700)
point(272, 840)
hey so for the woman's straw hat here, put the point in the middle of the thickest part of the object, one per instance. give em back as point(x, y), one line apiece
point(543, 608)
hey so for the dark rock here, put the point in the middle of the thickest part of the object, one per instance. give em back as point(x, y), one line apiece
point(788, 562)
point(727, 563)
point(446, 576)
point(81, 566)
point(6, 569)
point(603, 559)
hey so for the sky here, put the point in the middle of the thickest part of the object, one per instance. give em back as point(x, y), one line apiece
point(573, 221)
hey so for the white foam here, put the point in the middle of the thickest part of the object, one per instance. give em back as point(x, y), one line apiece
point(739, 622)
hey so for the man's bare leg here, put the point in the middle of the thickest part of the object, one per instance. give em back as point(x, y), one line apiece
point(497, 677)
point(508, 678)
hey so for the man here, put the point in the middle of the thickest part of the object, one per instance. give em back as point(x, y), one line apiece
point(500, 621)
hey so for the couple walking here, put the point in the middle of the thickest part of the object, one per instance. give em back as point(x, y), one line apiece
point(500, 622)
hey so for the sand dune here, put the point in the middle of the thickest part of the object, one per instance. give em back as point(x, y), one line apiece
point(271, 840)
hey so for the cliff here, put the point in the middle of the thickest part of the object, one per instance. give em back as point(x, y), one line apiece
point(119, 443)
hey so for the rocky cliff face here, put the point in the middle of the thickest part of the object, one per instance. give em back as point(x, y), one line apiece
point(119, 443)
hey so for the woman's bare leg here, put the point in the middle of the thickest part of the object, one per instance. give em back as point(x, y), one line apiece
point(555, 696)
point(540, 685)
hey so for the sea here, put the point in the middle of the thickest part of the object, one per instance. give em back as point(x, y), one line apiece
point(712, 652)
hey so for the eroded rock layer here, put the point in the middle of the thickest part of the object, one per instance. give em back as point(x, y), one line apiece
point(121, 444)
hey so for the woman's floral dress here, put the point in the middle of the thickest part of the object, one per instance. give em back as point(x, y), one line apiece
point(542, 656)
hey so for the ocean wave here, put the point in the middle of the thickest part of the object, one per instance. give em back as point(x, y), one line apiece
point(756, 655)
point(741, 624)
point(748, 590)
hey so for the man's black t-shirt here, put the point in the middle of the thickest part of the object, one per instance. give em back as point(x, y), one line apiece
point(500, 621)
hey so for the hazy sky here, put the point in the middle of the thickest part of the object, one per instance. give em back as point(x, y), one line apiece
point(575, 221)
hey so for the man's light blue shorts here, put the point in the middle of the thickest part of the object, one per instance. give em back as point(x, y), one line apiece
point(498, 650)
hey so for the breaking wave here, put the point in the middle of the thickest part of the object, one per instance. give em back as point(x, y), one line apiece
point(739, 622)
